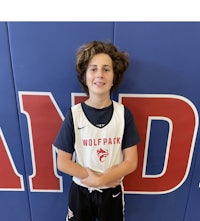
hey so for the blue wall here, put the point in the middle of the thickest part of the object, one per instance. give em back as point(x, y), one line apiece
point(38, 84)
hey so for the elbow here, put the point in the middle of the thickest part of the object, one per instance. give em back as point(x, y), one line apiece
point(135, 161)
point(64, 161)
point(131, 158)
point(133, 166)
point(60, 165)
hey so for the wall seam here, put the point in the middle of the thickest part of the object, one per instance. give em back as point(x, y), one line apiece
point(18, 119)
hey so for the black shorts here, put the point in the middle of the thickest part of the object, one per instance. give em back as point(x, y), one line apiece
point(86, 205)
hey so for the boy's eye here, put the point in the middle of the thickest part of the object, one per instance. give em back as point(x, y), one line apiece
point(92, 69)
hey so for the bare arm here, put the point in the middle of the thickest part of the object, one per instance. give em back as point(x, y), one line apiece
point(66, 165)
point(112, 176)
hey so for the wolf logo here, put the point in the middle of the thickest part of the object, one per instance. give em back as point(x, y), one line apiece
point(102, 154)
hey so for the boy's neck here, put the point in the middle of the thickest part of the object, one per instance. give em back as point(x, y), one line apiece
point(98, 103)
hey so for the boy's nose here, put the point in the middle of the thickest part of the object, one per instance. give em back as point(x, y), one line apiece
point(99, 72)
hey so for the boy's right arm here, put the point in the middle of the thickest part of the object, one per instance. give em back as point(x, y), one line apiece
point(66, 165)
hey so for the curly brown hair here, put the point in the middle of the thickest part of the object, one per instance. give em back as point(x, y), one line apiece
point(87, 51)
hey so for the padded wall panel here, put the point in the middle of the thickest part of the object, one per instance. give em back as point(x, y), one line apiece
point(14, 201)
point(164, 60)
point(43, 57)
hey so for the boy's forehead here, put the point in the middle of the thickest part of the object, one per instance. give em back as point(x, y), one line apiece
point(102, 59)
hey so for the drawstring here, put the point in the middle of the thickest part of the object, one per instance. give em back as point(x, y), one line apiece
point(90, 189)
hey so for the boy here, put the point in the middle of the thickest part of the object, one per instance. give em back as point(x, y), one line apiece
point(103, 136)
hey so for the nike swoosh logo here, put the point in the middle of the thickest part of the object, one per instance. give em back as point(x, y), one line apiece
point(116, 195)
point(79, 128)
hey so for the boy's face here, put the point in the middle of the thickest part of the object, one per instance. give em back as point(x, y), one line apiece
point(99, 75)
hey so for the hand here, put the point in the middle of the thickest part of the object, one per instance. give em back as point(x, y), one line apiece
point(92, 180)
point(95, 179)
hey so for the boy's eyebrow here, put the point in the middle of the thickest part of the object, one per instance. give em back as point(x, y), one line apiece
point(103, 65)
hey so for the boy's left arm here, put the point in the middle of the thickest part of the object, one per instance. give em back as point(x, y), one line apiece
point(112, 177)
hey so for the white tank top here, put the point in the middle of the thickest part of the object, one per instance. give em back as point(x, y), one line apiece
point(98, 148)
